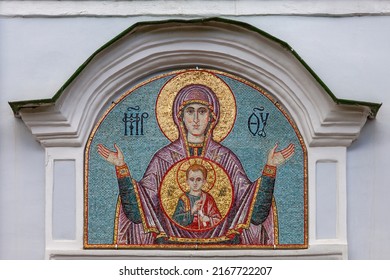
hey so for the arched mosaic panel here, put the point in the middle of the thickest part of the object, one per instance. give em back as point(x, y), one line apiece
point(196, 159)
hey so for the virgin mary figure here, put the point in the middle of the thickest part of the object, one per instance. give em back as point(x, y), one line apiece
point(141, 219)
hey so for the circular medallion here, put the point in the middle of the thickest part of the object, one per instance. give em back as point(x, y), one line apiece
point(216, 196)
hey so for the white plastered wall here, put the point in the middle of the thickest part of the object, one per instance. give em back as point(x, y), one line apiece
point(63, 128)
point(347, 83)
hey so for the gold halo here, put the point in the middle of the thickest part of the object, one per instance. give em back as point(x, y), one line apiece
point(222, 190)
point(181, 174)
point(227, 102)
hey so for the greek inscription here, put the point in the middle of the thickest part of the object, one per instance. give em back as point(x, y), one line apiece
point(134, 121)
point(257, 122)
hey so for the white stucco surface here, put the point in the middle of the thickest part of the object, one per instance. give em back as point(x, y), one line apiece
point(37, 55)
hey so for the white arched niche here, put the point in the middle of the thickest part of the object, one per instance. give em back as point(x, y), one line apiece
point(63, 123)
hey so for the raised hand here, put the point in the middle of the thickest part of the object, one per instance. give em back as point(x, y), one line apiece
point(114, 157)
point(276, 158)
point(197, 206)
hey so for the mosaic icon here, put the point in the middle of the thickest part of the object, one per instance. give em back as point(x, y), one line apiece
point(196, 159)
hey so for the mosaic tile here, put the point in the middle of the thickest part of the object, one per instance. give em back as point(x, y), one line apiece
point(196, 159)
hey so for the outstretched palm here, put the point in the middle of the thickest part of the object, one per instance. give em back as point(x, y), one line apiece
point(276, 158)
point(114, 157)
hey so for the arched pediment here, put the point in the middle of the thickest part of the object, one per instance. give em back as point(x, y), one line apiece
point(63, 123)
point(149, 48)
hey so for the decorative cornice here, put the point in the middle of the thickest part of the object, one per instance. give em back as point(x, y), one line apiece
point(192, 8)
point(149, 48)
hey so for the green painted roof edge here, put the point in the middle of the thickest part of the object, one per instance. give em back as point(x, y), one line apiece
point(18, 105)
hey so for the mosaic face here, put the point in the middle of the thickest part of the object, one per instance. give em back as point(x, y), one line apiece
point(195, 159)
point(196, 119)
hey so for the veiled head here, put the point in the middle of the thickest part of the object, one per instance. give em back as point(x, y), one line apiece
point(200, 95)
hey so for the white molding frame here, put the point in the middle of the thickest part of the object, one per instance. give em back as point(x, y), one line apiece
point(193, 8)
point(63, 127)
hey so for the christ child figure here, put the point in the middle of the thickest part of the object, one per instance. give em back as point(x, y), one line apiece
point(196, 209)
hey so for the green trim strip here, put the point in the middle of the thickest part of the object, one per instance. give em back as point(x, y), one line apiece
point(18, 105)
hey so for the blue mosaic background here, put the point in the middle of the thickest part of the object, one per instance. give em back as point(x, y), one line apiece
point(251, 150)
